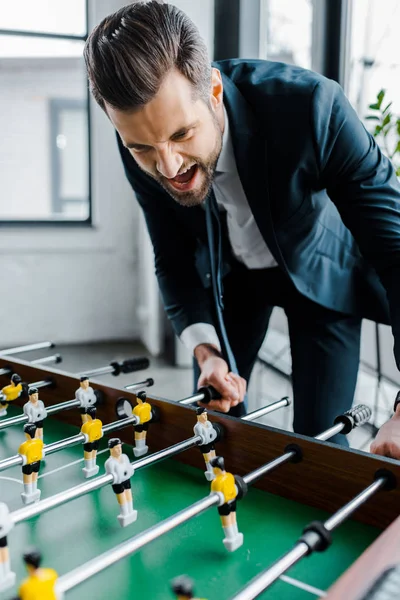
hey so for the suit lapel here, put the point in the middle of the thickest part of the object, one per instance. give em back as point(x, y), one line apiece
point(250, 149)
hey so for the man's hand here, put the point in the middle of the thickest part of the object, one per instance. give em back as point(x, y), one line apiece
point(387, 441)
point(215, 372)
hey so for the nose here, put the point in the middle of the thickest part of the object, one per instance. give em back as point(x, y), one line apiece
point(168, 162)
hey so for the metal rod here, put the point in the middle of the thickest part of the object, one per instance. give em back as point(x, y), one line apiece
point(54, 358)
point(281, 460)
point(98, 564)
point(191, 399)
point(134, 420)
point(99, 371)
point(63, 497)
point(264, 469)
point(68, 442)
point(265, 579)
point(42, 383)
point(326, 435)
point(50, 410)
point(7, 463)
point(140, 384)
point(262, 581)
point(343, 513)
point(26, 348)
point(260, 412)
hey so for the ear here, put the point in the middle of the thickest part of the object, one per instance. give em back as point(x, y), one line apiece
point(217, 89)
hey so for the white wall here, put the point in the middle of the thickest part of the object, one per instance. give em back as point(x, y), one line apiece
point(75, 284)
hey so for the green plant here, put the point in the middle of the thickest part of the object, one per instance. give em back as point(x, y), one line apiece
point(387, 129)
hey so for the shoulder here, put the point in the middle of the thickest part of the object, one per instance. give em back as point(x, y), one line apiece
point(269, 77)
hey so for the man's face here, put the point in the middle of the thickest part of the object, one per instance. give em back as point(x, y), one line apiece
point(176, 139)
point(34, 398)
point(85, 384)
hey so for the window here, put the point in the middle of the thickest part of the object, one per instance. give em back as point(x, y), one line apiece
point(44, 113)
point(286, 31)
point(374, 62)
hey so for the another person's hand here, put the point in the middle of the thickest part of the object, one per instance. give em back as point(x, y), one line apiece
point(215, 372)
point(387, 441)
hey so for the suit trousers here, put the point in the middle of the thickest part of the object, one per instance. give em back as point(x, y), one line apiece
point(325, 344)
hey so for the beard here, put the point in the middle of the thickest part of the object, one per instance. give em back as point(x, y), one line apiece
point(207, 169)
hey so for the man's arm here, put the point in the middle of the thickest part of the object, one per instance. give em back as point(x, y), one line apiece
point(362, 183)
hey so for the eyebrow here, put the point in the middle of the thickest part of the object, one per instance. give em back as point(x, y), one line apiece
point(175, 134)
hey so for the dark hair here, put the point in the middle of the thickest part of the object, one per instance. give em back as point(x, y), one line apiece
point(91, 412)
point(142, 395)
point(84, 378)
point(30, 429)
point(200, 410)
point(114, 442)
point(16, 378)
point(182, 585)
point(218, 462)
point(33, 558)
point(32, 390)
point(130, 52)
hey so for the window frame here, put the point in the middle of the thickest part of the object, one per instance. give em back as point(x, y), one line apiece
point(14, 223)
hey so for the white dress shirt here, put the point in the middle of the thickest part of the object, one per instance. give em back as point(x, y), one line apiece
point(247, 243)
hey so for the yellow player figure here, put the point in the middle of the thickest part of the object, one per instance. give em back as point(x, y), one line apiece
point(40, 583)
point(93, 431)
point(119, 466)
point(182, 586)
point(205, 429)
point(143, 411)
point(224, 484)
point(32, 452)
point(9, 393)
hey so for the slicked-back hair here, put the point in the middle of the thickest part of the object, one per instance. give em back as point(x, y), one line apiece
point(130, 52)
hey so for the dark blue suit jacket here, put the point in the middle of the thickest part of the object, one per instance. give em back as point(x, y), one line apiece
point(324, 197)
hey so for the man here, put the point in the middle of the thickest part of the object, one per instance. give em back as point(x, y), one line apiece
point(224, 484)
point(40, 583)
point(86, 397)
point(10, 392)
point(32, 453)
point(92, 429)
point(260, 174)
point(7, 577)
point(36, 411)
point(119, 466)
point(143, 411)
point(208, 434)
point(183, 587)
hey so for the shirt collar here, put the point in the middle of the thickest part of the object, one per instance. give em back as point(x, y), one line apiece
point(226, 160)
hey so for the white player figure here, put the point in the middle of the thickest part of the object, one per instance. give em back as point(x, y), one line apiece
point(208, 435)
point(86, 397)
point(119, 466)
point(7, 577)
point(35, 410)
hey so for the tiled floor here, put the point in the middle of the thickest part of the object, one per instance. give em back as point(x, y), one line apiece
point(265, 386)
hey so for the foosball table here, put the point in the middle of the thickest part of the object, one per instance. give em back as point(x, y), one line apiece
point(306, 509)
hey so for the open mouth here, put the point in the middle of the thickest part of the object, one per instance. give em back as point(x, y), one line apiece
point(185, 181)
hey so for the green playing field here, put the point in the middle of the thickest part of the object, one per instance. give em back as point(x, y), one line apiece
point(82, 529)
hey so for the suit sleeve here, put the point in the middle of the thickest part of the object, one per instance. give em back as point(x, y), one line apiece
point(362, 183)
point(185, 299)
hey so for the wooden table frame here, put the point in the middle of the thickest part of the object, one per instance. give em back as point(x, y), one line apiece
point(326, 478)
